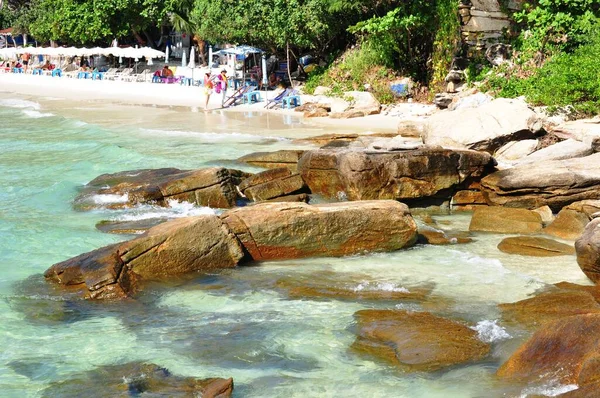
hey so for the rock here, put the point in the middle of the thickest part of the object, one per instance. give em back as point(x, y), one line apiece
point(470, 101)
point(321, 90)
point(442, 100)
point(549, 306)
point(569, 224)
point(271, 184)
point(176, 248)
point(567, 149)
point(485, 128)
point(432, 236)
point(137, 379)
point(555, 183)
point(563, 351)
point(316, 112)
point(311, 106)
point(273, 160)
point(498, 54)
point(588, 251)
point(515, 150)
point(397, 143)
point(416, 341)
point(403, 175)
point(129, 227)
point(301, 197)
point(587, 207)
point(468, 198)
point(297, 230)
point(546, 213)
point(455, 76)
point(593, 290)
point(214, 187)
point(535, 246)
point(505, 220)
point(364, 102)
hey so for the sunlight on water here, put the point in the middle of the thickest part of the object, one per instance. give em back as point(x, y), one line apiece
point(240, 323)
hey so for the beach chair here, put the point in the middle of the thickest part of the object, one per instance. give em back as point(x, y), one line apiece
point(278, 99)
point(111, 73)
point(137, 77)
point(124, 75)
point(238, 95)
point(293, 98)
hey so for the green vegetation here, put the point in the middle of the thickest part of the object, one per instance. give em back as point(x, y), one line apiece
point(556, 57)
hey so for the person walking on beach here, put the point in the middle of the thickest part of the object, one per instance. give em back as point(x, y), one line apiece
point(208, 88)
point(25, 58)
point(223, 85)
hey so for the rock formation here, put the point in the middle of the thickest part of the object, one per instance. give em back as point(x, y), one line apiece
point(273, 160)
point(588, 251)
point(505, 220)
point(535, 246)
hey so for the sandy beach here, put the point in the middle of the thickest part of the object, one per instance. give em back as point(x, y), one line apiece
point(193, 98)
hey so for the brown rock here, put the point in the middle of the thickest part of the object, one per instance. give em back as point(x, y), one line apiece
point(137, 379)
point(564, 351)
point(177, 248)
point(505, 220)
point(588, 251)
point(546, 213)
point(311, 106)
point(276, 188)
point(129, 227)
point(301, 197)
point(264, 176)
point(569, 224)
point(587, 207)
point(549, 306)
point(593, 290)
point(434, 236)
point(317, 112)
point(296, 230)
point(401, 175)
point(535, 246)
point(273, 160)
point(416, 341)
point(466, 197)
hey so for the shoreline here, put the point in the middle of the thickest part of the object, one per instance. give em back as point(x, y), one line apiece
point(175, 95)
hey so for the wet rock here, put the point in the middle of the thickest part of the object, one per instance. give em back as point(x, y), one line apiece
point(138, 379)
point(468, 200)
point(273, 160)
point(180, 247)
point(588, 251)
point(433, 236)
point(569, 224)
point(505, 220)
point(554, 183)
point(535, 246)
point(416, 341)
point(272, 184)
point(301, 197)
point(485, 128)
point(297, 230)
point(546, 213)
point(563, 351)
point(403, 175)
point(549, 306)
point(214, 187)
point(134, 227)
point(593, 290)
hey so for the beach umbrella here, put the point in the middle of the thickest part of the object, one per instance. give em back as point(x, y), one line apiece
point(210, 55)
point(184, 58)
point(264, 71)
point(167, 56)
point(192, 58)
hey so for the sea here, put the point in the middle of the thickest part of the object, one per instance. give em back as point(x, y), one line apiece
point(240, 323)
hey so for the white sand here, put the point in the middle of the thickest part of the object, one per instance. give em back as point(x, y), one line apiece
point(136, 93)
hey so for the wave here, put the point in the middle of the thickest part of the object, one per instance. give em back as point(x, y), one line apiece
point(551, 389)
point(103, 199)
point(176, 209)
point(19, 104)
point(36, 114)
point(489, 331)
point(216, 137)
point(380, 286)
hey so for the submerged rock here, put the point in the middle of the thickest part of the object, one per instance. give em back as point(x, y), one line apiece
point(535, 246)
point(417, 341)
point(588, 250)
point(138, 379)
point(505, 220)
point(555, 183)
point(565, 351)
point(428, 172)
point(179, 247)
point(214, 187)
point(433, 236)
point(297, 230)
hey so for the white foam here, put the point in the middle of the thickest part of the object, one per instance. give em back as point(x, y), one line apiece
point(176, 209)
point(380, 286)
point(551, 389)
point(489, 331)
point(110, 198)
point(215, 137)
point(36, 114)
point(19, 104)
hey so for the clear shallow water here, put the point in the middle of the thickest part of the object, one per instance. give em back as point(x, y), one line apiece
point(239, 323)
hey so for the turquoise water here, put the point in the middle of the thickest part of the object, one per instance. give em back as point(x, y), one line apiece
point(238, 323)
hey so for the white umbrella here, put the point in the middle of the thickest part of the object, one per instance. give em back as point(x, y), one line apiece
point(264, 71)
point(184, 58)
point(167, 56)
point(193, 58)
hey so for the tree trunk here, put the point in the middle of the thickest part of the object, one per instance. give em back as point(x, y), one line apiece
point(150, 40)
point(287, 53)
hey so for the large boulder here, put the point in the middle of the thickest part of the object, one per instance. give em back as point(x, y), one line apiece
point(567, 149)
point(535, 246)
point(429, 172)
point(515, 150)
point(137, 379)
point(568, 224)
point(363, 103)
point(505, 220)
point(588, 251)
point(555, 183)
point(273, 160)
point(564, 351)
point(214, 187)
point(485, 128)
point(416, 341)
point(271, 184)
point(177, 248)
point(296, 230)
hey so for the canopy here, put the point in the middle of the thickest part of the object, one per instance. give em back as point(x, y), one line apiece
point(241, 50)
point(129, 52)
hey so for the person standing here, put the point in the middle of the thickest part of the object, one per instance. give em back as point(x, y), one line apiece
point(25, 58)
point(223, 83)
point(208, 88)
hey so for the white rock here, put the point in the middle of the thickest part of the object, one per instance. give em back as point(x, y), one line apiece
point(567, 149)
point(516, 150)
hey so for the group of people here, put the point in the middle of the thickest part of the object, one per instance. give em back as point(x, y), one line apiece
point(217, 84)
